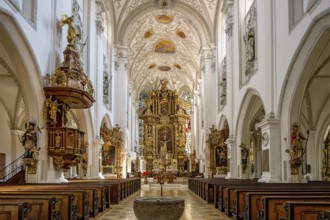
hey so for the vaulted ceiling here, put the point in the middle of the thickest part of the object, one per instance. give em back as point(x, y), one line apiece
point(165, 39)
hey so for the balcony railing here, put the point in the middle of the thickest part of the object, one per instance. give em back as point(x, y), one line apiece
point(12, 169)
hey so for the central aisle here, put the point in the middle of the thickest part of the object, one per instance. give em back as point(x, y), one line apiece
point(195, 208)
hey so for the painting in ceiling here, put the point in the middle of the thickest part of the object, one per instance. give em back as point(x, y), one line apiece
point(165, 46)
point(164, 19)
point(148, 34)
point(164, 68)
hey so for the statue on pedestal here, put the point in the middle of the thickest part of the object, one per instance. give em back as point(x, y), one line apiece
point(29, 141)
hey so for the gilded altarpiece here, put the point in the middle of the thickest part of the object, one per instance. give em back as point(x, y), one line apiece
point(164, 119)
point(218, 151)
point(111, 150)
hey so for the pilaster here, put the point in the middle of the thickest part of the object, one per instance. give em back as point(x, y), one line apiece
point(271, 153)
point(209, 86)
point(232, 163)
point(121, 88)
point(97, 158)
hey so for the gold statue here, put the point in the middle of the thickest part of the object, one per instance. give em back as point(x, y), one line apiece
point(73, 34)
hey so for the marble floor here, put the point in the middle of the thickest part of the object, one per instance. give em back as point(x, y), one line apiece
point(195, 207)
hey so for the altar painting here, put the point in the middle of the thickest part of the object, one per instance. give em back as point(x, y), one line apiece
point(165, 139)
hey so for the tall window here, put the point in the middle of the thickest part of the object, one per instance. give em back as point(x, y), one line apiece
point(27, 8)
point(142, 105)
point(296, 11)
point(187, 97)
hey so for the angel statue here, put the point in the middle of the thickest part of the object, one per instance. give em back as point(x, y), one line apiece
point(73, 34)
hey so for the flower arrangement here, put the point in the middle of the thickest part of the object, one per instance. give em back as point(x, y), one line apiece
point(146, 174)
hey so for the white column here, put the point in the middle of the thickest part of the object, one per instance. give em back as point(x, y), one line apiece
point(312, 157)
point(121, 88)
point(271, 149)
point(231, 155)
point(97, 158)
point(209, 108)
point(196, 123)
point(120, 110)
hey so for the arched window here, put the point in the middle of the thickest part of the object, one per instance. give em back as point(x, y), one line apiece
point(143, 96)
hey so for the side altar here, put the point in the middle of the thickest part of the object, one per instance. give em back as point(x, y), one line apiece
point(164, 141)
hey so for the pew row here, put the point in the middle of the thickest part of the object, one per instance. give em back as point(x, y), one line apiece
point(40, 208)
point(65, 205)
point(89, 197)
point(14, 210)
point(304, 210)
point(272, 206)
point(247, 201)
point(229, 195)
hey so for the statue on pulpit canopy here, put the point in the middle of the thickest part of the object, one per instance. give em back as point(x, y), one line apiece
point(73, 33)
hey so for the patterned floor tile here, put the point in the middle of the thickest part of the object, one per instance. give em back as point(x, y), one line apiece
point(195, 207)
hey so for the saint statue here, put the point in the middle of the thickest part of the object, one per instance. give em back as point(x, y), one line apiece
point(29, 141)
point(296, 150)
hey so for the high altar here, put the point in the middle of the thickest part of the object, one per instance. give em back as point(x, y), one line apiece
point(164, 141)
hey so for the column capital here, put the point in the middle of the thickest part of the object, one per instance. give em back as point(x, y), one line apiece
point(99, 23)
point(226, 5)
point(121, 52)
point(268, 122)
point(121, 56)
point(229, 25)
point(98, 140)
point(208, 54)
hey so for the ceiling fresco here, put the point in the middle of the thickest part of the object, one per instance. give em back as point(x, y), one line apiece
point(165, 39)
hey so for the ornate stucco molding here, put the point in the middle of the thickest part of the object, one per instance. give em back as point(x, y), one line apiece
point(229, 25)
point(99, 24)
point(226, 5)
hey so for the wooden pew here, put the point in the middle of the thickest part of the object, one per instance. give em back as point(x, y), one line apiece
point(14, 210)
point(115, 189)
point(40, 207)
point(99, 194)
point(324, 215)
point(304, 210)
point(95, 194)
point(235, 203)
point(273, 205)
point(80, 196)
point(66, 202)
point(253, 205)
point(223, 191)
point(103, 193)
